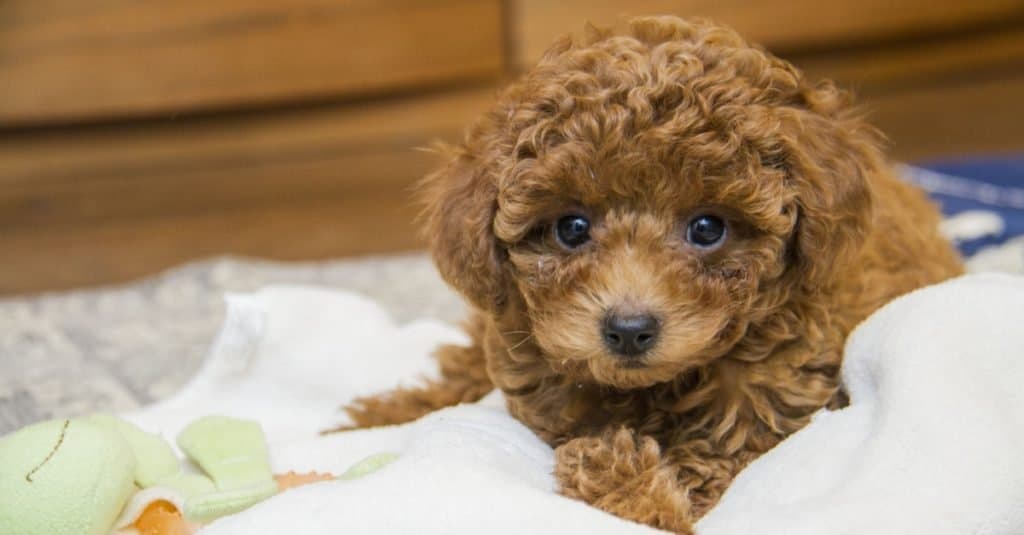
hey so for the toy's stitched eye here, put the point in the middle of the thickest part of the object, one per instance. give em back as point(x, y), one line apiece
point(705, 231)
point(572, 231)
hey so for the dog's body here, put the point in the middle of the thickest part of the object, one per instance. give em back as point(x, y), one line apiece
point(667, 237)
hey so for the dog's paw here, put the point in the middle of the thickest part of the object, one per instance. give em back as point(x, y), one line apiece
point(623, 474)
point(589, 468)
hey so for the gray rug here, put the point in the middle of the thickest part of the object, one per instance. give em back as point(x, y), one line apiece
point(114, 349)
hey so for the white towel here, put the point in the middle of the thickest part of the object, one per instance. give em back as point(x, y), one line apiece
point(932, 442)
point(933, 439)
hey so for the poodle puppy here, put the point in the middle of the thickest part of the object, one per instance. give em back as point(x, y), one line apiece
point(666, 236)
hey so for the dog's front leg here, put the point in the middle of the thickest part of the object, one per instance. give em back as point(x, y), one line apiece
point(463, 379)
point(626, 475)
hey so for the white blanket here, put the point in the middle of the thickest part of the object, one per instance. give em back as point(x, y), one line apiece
point(933, 441)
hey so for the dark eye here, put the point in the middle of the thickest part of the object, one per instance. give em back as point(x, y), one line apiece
point(705, 231)
point(572, 230)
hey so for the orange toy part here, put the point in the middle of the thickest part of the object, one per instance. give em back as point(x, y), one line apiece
point(292, 480)
point(162, 518)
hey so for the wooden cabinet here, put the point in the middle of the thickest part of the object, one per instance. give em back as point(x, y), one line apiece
point(138, 134)
point(87, 60)
point(103, 203)
point(781, 25)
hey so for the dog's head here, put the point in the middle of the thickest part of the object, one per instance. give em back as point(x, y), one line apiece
point(650, 200)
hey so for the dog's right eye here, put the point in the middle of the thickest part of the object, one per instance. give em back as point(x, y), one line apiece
point(572, 231)
point(705, 231)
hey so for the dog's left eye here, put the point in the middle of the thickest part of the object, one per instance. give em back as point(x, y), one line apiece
point(572, 230)
point(705, 231)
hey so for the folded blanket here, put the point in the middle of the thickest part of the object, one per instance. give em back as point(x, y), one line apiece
point(930, 443)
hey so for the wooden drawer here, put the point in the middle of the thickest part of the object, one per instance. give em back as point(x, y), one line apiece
point(937, 98)
point(147, 169)
point(918, 63)
point(98, 204)
point(781, 25)
point(983, 116)
point(72, 60)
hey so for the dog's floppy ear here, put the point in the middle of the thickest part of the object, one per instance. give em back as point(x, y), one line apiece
point(460, 203)
point(830, 160)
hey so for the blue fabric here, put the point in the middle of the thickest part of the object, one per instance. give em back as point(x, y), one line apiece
point(990, 184)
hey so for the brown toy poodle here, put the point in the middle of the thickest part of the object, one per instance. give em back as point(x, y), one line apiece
point(666, 236)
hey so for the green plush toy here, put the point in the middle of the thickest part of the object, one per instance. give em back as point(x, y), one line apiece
point(155, 460)
point(64, 477)
point(234, 454)
point(368, 465)
point(82, 476)
point(90, 475)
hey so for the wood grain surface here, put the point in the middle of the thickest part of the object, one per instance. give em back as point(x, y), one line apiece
point(783, 25)
point(69, 60)
point(70, 177)
point(973, 117)
point(934, 62)
point(55, 258)
point(120, 201)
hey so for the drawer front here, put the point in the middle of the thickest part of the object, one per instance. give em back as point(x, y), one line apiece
point(784, 25)
point(68, 60)
point(945, 121)
point(88, 175)
point(104, 203)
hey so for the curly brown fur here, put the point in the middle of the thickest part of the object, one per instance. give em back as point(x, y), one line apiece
point(640, 132)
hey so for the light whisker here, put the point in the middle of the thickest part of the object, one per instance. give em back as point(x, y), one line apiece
point(521, 342)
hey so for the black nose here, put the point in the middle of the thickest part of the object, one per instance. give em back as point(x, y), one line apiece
point(630, 335)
